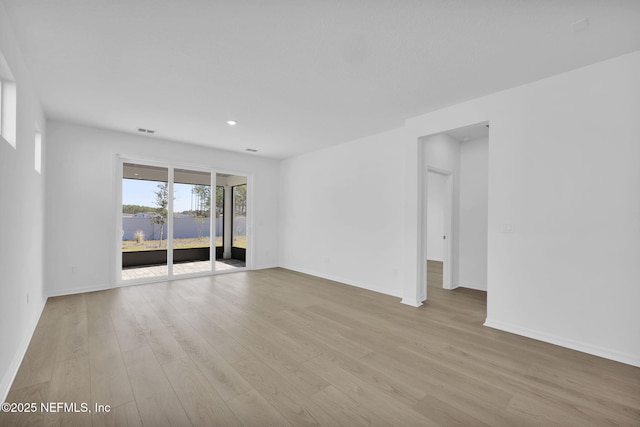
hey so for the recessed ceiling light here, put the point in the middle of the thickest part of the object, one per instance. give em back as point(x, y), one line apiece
point(251, 150)
point(232, 122)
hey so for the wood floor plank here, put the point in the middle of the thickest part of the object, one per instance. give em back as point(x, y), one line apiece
point(37, 364)
point(297, 409)
point(545, 414)
point(70, 384)
point(302, 378)
point(346, 409)
point(399, 390)
point(156, 401)
point(125, 415)
point(98, 315)
point(130, 334)
point(284, 348)
point(446, 414)
point(202, 403)
point(253, 410)
point(472, 402)
point(380, 404)
point(162, 343)
point(31, 394)
point(109, 379)
point(73, 338)
point(226, 381)
point(328, 333)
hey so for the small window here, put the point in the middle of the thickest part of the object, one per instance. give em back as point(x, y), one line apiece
point(38, 151)
point(7, 103)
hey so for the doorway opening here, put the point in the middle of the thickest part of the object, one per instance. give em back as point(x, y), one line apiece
point(454, 210)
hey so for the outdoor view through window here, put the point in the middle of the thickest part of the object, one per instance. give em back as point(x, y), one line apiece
point(146, 209)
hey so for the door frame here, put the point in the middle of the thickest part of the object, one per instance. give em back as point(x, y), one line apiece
point(117, 274)
point(121, 159)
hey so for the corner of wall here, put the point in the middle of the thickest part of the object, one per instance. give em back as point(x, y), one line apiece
point(12, 369)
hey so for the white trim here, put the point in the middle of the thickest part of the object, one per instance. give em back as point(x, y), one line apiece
point(14, 366)
point(248, 261)
point(212, 221)
point(629, 359)
point(390, 292)
point(142, 281)
point(415, 303)
point(420, 292)
point(266, 267)
point(80, 290)
point(447, 271)
point(116, 277)
point(470, 286)
point(228, 271)
point(170, 215)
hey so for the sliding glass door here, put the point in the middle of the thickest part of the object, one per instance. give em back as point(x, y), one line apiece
point(219, 227)
point(180, 222)
point(231, 221)
point(239, 227)
point(191, 221)
point(144, 221)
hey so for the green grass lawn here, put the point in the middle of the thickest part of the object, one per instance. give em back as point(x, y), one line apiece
point(240, 242)
point(193, 242)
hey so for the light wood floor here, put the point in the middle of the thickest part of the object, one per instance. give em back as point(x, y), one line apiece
point(274, 347)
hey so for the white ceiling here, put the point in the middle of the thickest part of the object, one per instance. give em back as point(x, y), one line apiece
point(297, 75)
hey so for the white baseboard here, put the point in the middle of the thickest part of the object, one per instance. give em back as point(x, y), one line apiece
point(345, 281)
point(10, 376)
point(607, 353)
point(412, 303)
point(265, 266)
point(471, 286)
point(79, 290)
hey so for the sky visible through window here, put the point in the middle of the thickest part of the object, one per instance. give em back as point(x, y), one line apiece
point(141, 192)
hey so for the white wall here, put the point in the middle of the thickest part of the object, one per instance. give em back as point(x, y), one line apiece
point(563, 169)
point(81, 198)
point(435, 216)
point(472, 240)
point(21, 221)
point(341, 210)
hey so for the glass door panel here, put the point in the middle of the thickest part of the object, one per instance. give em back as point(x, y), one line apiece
point(144, 221)
point(239, 223)
point(191, 221)
point(231, 221)
point(219, 222)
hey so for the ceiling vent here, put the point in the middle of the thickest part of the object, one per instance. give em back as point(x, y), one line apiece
point(580, 25)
